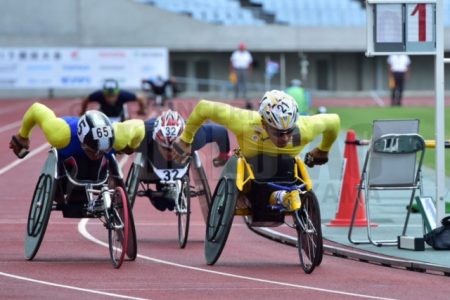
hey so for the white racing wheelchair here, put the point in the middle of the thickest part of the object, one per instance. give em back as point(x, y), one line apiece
point(58, 190)
point(178, 184)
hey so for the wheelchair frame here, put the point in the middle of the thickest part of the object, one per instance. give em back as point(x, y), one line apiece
point(138, 181)
point(116, 214)
point(236, 180)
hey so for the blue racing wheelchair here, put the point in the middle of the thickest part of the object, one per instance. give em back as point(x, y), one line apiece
point(99, 195)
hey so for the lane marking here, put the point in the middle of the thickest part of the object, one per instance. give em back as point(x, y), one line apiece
point(69, 287)
point(83, 231)
point(19, 161)
point(10, 126)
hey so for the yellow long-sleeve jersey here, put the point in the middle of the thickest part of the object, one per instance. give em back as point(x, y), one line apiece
point(250, 134)
point(58, 133)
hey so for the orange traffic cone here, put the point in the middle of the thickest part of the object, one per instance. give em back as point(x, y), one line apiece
point(349, 189)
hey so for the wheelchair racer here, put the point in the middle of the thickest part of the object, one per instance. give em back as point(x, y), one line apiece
point(275, 130)
point(112, 100)
point(161, 133)
point(83, 143)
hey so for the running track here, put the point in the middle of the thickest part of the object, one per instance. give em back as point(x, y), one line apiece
point(73, 261)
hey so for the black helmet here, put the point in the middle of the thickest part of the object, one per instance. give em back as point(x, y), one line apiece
point(110, 87)
point(95, 131)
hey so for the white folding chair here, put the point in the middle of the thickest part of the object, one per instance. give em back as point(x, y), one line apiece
point(393, 162)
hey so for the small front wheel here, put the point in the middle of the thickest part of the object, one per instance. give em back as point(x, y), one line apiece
point(184, 212)
point(309, 233)
point(118, 227)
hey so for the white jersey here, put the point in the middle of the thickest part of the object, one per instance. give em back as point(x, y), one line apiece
point(241, 59)
point(399, 62)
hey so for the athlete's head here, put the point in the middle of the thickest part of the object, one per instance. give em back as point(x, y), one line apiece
point(111, 90)
point(168, 127)
point(95, 133)
point(279, 114)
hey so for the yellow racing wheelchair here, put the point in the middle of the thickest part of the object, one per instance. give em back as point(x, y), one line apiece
point(245, 188)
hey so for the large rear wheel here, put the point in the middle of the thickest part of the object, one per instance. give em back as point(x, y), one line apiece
point(39, 214)
point(220, 219)
point(118, 227)
point(184, 212)
point(132, 183)
point(309, 233)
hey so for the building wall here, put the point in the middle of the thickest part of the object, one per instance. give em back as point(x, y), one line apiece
point(336, 55)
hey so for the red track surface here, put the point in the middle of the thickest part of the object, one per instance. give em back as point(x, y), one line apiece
point(71, 266)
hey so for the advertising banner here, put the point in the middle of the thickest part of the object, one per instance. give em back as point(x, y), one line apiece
point(62, 68)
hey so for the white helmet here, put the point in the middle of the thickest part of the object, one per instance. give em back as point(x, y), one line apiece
point(278, 110)
point(168, 127)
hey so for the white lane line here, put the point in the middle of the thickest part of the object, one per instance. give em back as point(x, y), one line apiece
point(19, 161)
point(70, 287)
point(10, 126)
point(377, 99)
point(83, 231)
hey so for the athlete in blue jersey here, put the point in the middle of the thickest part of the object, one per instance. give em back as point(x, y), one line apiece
point(85, 141)
point(161, 132)
point(112, 100)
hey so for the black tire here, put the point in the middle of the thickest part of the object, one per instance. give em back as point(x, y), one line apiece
point(118, 227)
point(220, 219)
point(309, 233)
point(39, 214)
point(184, 212)
point(132, 183)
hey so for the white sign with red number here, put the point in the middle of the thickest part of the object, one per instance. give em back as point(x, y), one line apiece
point(420, 22)
point(80, 67)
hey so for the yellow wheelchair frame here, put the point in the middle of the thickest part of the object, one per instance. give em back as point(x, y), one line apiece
point(235, 182)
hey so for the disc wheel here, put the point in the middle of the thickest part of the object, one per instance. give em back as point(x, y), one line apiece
point(118, 227)
point(220, 219)
point(132, 183)
point(39, 214)
point(184, 212)
point(309, 233)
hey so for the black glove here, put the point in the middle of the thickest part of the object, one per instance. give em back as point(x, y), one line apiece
point(311, 161)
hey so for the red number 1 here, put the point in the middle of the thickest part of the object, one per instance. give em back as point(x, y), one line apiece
point(422, 10)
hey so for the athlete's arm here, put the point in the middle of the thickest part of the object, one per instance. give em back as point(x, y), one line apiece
point(226, 115)
point(128, 135)
point(56, 130)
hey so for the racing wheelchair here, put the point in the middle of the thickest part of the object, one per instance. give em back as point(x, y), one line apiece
point(175, 183)
point(58, 188)
point(244, 189)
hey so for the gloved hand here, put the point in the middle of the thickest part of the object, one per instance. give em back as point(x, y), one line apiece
point(221, 159)
point(19, 145)
point(316, 157)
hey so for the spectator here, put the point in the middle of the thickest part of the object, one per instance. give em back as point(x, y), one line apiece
point(112, 100)
point(399, 72)
point(241, 64)
point(160, 88)
point(296, 91)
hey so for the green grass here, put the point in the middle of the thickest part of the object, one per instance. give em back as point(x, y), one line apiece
point(360, 120)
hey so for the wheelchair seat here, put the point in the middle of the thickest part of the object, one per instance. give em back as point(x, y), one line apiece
point(77, 173)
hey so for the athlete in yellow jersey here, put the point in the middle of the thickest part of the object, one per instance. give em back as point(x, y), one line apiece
point(275, 129)
point(91, 135)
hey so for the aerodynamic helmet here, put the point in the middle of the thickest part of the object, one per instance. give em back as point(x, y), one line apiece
point(95, 131)
point(110, 87)
point(168, 127)
point(278, 110)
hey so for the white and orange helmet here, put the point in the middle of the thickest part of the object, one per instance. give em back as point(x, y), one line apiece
point(279, 110)
point(168, 127)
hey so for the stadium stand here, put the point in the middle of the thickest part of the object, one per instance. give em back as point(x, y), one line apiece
point(307, 13)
